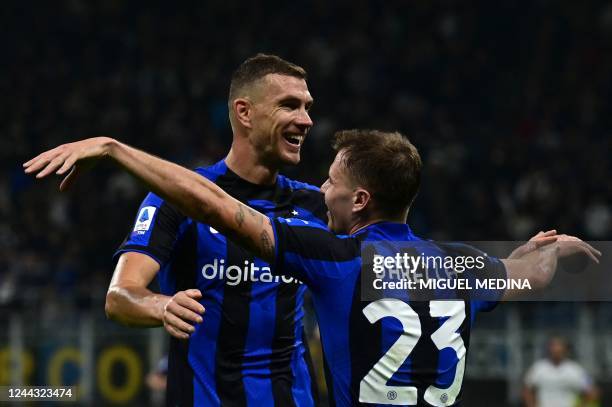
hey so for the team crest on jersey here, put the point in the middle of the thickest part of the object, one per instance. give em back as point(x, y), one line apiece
point(145, 217)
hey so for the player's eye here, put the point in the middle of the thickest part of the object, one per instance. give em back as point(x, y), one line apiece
point(290, 105)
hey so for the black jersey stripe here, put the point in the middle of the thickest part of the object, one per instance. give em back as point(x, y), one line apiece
point(180, 374)
point(283, 345)
point(336, 249)
point(424, 356)
point(233, 335)
point(314, 388)
point(365, 340)
point(163, 235)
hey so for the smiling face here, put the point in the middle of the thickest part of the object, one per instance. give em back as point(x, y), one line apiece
point(280, 119)
point(339, 190)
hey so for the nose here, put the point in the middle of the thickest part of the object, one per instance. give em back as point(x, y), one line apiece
point(303, 120)
point(325, 186)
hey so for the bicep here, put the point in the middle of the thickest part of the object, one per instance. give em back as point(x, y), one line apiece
point(134, 269)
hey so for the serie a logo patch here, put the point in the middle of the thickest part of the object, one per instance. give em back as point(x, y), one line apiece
point(144, 219)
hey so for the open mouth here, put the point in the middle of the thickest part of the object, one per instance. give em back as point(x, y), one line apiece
point(294, 139)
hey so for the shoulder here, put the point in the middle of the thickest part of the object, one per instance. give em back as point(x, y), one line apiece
point(315, 240)
point(212, 172)
point(574, 367)
point(294, 185)
point(540, 366)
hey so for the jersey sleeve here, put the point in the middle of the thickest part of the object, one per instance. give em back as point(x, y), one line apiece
point(311, 253)
point(155, 231)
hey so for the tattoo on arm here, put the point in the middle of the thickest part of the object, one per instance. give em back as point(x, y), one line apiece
point(254, 214)
point(267, 248)
point(239, 216)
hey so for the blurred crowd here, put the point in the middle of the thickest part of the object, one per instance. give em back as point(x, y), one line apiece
point(510, 104)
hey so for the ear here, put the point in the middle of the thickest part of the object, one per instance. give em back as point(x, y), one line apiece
point(242, 111)
point(361, 199)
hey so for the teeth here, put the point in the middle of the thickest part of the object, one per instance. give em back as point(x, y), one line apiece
point(296, 139)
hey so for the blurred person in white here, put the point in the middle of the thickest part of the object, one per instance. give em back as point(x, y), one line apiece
point(557, 381)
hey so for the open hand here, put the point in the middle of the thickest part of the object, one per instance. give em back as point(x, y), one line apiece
point(74, 157)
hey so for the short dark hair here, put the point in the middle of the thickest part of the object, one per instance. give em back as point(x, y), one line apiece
point(388, 165)
point(259, 66)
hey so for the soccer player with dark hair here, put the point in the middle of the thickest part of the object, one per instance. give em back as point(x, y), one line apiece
point(387, 351)
point(248, 347)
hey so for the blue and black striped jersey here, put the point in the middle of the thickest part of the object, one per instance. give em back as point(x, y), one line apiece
point(390, 351)
point(250, 349)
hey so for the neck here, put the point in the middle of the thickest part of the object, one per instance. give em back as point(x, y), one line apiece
point(245, 163)
point(363, 223)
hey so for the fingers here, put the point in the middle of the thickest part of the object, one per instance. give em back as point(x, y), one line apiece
point(569, 248)
point(70, 178)
point(186, 299)
point(540, 240)
point(181, 312)
point(590, 251)
point(544, 241)
point(68, 164)
point(193, 293)
point(48, 162)
point(52, 166)
point(178, 324)
point(175, 332)
point(40, 161)
point(542, 234)
point(572, 244)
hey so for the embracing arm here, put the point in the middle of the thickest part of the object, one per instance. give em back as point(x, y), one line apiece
point(191, 193)
point(128, 300)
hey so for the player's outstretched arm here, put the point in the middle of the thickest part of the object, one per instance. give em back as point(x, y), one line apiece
point(191, 193)
point(537, 260)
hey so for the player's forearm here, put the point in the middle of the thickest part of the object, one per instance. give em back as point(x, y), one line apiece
point(191, 193)
point(135, 306)
point(538, 267)
point(198, 198)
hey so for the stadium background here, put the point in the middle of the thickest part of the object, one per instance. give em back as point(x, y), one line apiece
point(509, 102)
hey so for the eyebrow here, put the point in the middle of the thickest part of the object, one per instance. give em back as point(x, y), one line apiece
point(291, 98)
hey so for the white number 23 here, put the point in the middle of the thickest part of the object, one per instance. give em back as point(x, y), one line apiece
point(373, 387)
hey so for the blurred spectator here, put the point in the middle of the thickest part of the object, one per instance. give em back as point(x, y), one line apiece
point(557, 381)
point(157, 381)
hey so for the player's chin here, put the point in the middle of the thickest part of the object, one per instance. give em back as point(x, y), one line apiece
point(290, 157)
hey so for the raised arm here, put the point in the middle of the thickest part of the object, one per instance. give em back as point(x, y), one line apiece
point(192, 194)
point(537, 260)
